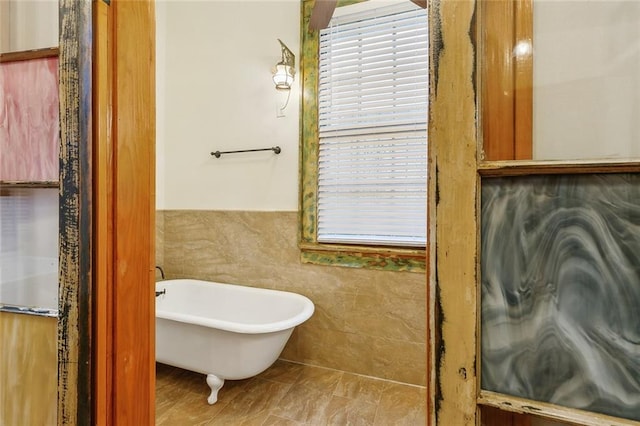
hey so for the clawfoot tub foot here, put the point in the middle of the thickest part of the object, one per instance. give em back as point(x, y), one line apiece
point(215, 383)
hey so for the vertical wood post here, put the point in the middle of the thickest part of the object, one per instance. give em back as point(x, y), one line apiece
point(75, 248)
point(453, 162)
point(107, 310)
point(134, 212)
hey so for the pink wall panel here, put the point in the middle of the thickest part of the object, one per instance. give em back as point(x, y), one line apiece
point(29, 127)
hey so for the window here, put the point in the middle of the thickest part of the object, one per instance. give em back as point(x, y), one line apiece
point(364, 138)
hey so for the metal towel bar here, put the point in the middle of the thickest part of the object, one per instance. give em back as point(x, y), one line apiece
point(275, 149)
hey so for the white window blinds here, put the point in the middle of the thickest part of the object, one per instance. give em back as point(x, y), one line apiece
point(373, 97)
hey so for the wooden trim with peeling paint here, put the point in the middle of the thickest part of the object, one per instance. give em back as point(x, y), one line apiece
point(527, 407)
point(452, 161)
point(74, 306)
point(125, 349)
point(519, 168)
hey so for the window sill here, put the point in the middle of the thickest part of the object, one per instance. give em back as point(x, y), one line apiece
point(381, 258)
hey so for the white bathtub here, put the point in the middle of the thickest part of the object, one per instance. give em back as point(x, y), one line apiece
point(224, 331)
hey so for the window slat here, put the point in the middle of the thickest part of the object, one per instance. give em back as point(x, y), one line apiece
point(375, 46)
point(372, 106)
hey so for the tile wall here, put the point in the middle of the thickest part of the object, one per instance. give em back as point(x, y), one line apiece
point(366, 322)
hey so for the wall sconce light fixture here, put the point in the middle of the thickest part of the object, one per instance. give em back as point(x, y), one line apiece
point(284, 70)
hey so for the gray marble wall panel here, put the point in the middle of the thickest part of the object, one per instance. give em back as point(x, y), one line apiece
point(560, 268)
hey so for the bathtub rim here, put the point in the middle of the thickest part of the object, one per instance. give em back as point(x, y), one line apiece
point(306, 312)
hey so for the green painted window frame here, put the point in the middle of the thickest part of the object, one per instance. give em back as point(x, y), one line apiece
point(356, 256)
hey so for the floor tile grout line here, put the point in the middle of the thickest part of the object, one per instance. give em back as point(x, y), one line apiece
point(355, 374)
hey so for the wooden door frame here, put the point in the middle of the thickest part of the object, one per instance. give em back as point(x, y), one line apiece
point(106, 353)
point(75, 244)
point(104, 203)
point(471, 101)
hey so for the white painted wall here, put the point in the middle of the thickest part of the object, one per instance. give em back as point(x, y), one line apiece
point(586, 79)
point(214, 93)
point(161, 103)
point(28, 24)
point(214, 62)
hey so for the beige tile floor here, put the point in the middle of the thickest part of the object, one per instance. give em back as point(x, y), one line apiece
point(288, 394)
